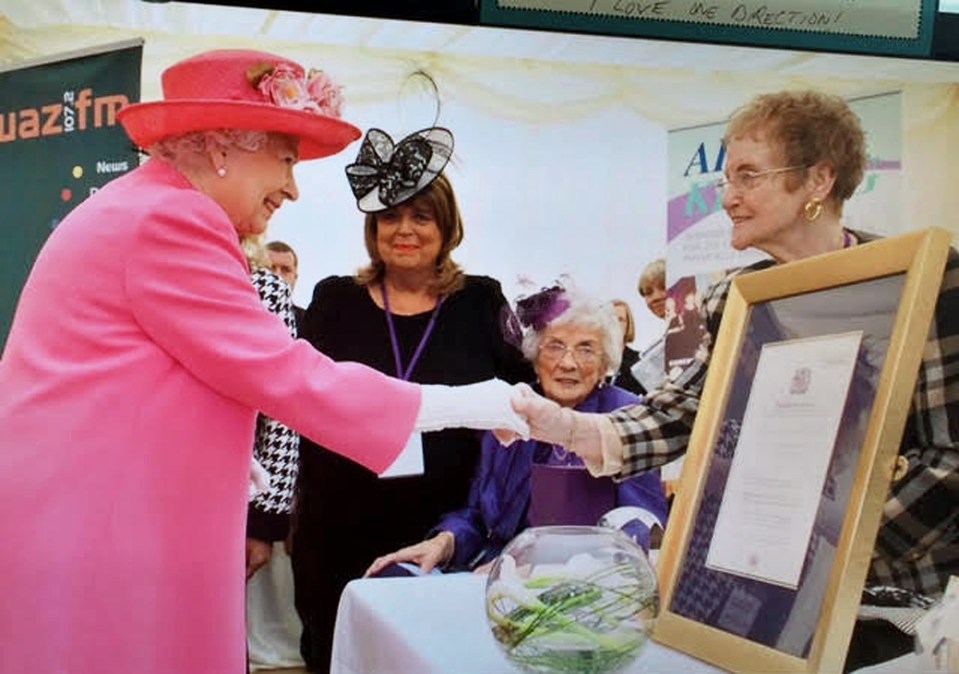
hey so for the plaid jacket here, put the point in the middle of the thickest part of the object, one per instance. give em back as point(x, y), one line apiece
point(917, 547)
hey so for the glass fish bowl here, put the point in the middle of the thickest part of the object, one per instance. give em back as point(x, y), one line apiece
point(572, 599)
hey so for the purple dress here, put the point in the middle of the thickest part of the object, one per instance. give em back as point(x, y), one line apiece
point(499, 499)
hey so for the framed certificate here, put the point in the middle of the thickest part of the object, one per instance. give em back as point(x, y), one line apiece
point(792, 453)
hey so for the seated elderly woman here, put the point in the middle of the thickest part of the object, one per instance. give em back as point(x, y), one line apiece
point(573, 343)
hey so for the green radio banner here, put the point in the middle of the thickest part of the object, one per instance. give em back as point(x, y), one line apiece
point(59, 143)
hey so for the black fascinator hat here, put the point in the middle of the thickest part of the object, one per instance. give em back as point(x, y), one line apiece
point(385, 174)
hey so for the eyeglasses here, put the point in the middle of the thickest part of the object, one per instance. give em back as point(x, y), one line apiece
point(583, 354)
point(747, 180)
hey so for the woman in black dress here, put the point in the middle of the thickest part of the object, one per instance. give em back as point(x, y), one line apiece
point(413, 313)
point(623, 377)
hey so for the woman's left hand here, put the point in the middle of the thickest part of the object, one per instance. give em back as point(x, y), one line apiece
point(427, 555)
point(258, 553)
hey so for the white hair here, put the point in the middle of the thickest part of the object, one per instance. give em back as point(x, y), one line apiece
point(585, 312)
point(187, 147)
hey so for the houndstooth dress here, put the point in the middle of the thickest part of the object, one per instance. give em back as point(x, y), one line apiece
point(277, 447)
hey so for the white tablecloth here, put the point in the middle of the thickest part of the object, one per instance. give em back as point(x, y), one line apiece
point(437, 624)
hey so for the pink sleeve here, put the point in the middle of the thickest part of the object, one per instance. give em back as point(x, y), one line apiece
point(190, 291)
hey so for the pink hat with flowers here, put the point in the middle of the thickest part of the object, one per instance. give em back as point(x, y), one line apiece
point(244, 89)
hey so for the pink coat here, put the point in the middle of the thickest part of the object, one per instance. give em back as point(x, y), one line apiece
point(138, 358)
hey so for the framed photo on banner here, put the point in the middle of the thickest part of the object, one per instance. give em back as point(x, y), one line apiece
point(790, 460)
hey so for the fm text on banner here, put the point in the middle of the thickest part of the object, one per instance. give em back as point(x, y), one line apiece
point(59, 143)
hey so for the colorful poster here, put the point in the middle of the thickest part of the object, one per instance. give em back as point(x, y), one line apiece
point(59, 142)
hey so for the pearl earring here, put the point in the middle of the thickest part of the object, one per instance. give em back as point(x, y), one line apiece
point(221, 171)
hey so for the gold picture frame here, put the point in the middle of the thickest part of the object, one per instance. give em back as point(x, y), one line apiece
point(886, 291)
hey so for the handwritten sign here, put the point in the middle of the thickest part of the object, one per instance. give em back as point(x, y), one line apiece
point(877, 26)
point(884, 18)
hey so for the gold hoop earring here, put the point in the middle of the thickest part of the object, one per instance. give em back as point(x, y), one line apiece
point(812, 210)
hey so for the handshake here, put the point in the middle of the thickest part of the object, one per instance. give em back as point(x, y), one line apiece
point(514, 412)
point(510, 411)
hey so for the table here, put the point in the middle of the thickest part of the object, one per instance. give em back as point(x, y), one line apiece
point(437, 624)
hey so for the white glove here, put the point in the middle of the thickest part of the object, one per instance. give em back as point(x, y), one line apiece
point(259, 479)
point(486, 405)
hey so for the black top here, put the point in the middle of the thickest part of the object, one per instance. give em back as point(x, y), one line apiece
point(466, 346)
point(298, 313)
point(624, 377)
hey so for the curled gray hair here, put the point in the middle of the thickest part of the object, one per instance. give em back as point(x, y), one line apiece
point(187, 147)
point(589, 313)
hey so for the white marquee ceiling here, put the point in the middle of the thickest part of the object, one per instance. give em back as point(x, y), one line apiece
point(93, 18)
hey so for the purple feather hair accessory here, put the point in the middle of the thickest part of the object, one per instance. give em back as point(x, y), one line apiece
point(539, 310)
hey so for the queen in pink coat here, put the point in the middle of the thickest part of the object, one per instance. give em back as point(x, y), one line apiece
point(134, 371)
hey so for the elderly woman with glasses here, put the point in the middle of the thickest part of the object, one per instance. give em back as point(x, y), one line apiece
point(574, 343)
point(793, 158)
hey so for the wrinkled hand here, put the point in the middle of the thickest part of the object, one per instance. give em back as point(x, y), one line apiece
point(427, 555)
point(258, 553)
point(547, 420)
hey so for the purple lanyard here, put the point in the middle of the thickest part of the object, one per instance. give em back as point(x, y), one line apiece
point(405, 376)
